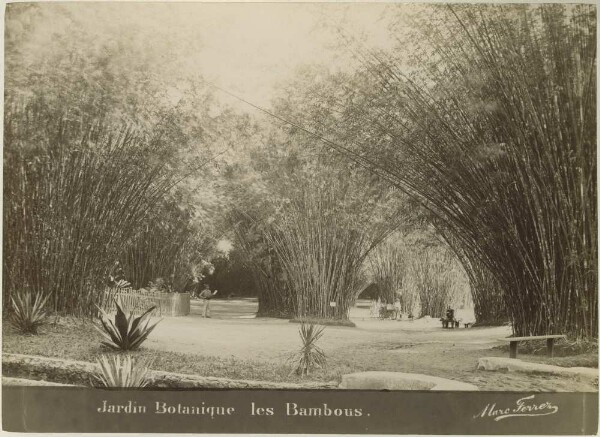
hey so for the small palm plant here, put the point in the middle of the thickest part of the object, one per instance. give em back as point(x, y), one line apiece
point(310, 356)
point(115, 372)
point(125, 333)
point(29, 312)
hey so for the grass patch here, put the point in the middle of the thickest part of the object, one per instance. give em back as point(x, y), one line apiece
point(566, 353)
point(78, 340)
point(582, 360)
point(72, 339)
point(562, 347)
point(324, 322)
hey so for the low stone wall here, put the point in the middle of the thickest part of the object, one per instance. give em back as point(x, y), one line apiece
point(80, 373)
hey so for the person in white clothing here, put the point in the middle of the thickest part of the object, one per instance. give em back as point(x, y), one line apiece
point(206, 295)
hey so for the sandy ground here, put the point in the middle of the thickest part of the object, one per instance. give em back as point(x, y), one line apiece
point(233, 342)
point(420, 346)
point(233, 331)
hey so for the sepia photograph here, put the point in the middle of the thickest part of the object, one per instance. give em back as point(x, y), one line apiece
point(224, 217)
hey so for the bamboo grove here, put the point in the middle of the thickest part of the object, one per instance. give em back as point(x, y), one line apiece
point(494, 130)
point(389, 266)
point(76, 199)
point(436, 279)
point(99, 164)
point(309, 257)
point(477, 120)
point(72, 195)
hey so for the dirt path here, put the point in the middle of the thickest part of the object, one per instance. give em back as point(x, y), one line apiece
point(229, 332)
point(235, 345)
point(421, 346)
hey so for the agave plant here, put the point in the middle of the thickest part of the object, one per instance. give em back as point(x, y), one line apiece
point(125, 333)
point(310, 356)
point(115, 372)
point(29, 313)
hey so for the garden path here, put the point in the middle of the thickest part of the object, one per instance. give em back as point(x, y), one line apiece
point(232, 332)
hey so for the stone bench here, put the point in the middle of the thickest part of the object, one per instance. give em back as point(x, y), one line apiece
point(514, 342)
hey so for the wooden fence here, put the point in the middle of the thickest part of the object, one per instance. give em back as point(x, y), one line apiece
point(167, 304)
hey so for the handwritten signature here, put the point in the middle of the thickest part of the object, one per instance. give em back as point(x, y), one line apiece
point(524, 407)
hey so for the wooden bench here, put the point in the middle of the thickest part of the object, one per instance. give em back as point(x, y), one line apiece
point(514, 341)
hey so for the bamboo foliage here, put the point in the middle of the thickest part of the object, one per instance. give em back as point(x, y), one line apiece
point(435, 276)
point(322, 254)
point(536, 234)
point(307, 232)
point(493, 129)
point(168, 247)
point(488, 297)
point(274, 295)
point(390, 266)
point(74, 197)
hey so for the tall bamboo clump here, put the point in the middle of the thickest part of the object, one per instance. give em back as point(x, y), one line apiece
point(489, 300)
point(74, 196)
point(435, 276)
point(168, 246)
point(275, 298)
point(389, 264)
point(497, 137)
point(487, 296)
point(322, 254)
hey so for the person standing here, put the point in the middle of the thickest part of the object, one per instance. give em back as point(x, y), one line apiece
point(397, 309)
point(206, 295)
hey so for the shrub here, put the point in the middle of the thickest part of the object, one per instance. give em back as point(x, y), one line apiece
point(29, 314)
point(125, 333)
point(115, 372)
point(160, 285)
point(310, 356)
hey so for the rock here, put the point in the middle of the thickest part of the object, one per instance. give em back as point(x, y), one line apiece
point(516, 365)
point(401, 381)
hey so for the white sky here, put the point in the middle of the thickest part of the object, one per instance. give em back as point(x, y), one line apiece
point(250, 47)
point(247, 48)
point(244, 47)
